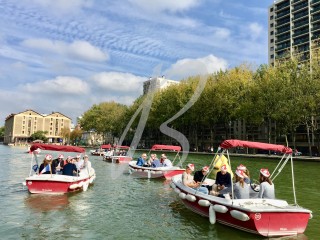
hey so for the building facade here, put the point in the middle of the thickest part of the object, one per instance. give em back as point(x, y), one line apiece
point(19, 127)
point(157, 83)
point(294, 28)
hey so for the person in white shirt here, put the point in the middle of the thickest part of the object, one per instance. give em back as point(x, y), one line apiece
point(187, 180)
point(165, 161)
point(86, 164)
point(266, 185)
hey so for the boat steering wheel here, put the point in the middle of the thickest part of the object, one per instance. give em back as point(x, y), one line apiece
point(255, 185)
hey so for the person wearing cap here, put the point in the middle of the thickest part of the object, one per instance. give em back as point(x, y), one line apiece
point(223, 180)
point(266, 185)
point(241, 189)
point(45, 167)
point(246, 173)
point(187, 180)
point(200, 176)
point(58, 164)
point(79, 162)
point(165, 161)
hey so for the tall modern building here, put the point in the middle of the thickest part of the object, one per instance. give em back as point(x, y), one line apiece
point(157, 83)
point(294, 27)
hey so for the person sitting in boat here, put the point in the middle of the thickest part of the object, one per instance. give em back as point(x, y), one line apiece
point(165, 161)
point(70, 168)
point(218, 163)
point(58, 164)
point(45, 167)
point(200, 176)
point(241, 189)
point(266, 185)
point(246, 173)
point(86, 164)
point(78, 162)
point(142, 160)
point(151, 159)
point(156, 163)
point(223, 180)
point(187, 180)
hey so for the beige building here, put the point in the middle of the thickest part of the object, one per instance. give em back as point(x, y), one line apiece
point(157, 83)
point(19, 127)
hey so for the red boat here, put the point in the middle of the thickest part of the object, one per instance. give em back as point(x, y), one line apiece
point(158, 172)
point(55, 183)
point(266, 217)
point(118, 154)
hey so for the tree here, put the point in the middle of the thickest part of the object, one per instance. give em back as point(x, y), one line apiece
point(75, 135)
point(39, 135)
point(65, 133)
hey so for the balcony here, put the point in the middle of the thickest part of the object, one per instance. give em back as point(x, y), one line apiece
point(315, 9)
point(300, 6)
point(300, 32)
point(282, 6)
point(300, 41)
point(301, 14)
point(302, 23)
point(282, 14)
point(314, 2)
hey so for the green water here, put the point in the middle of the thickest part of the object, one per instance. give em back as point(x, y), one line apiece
point(118, 206)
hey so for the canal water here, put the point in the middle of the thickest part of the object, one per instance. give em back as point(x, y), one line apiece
point(119, 206)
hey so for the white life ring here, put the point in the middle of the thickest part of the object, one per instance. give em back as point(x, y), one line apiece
point(177, 190)
point(191, 198)
point(212, 215)
point(220, 208)
point(239, 215)
point(182, 195)
point(204, 203)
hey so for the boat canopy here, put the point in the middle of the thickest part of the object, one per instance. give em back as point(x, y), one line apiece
point(121, 147)
point(166, 147)
point(258, 145)
point(106, 146)
point(52, 147)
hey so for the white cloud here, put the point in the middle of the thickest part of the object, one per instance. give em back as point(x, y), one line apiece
point(62, 6)
point(59, 85)
point(79, 49)
point(116, 82)
point(255, 30)
point(165, 5)
point(191, 67)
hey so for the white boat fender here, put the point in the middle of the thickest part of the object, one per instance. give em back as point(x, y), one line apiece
point(73, 186)
point(80, 184)
point(310, 216)
point(153, 172)
point(85, 186)
point(182, 195)
point(24, 183)
point(239, 215)
point(204, 203)
point(220, 208)
point(149, 174)
point(172, 185)
point(191, 198)
point(177, 190)
point(159, 172)
point(212, 215)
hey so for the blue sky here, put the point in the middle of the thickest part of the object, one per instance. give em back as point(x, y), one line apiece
point(65, 56)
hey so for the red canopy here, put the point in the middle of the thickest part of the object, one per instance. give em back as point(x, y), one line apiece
point(258, 145)
point(121, 147)
point(166, 147)
point(53, 147)
point(107, 146)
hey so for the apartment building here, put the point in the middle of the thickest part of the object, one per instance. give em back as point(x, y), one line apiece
point(294, 28)
point(19, 127)
point(157, 83)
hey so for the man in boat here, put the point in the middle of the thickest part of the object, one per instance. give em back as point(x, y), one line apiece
point(155, 163)
point(200, 176)
point(70, 168)
point(142, 160)
point(223, 180)
point(187, 180)
point(58, 164)
point(218, 163)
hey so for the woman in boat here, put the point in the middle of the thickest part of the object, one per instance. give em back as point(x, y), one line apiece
point(165, 161)
point(187, 180)
point(151, 159)
point(86, 164)
point(246, 173)
point(241, 189)
point(45, 167)
point(266, 185)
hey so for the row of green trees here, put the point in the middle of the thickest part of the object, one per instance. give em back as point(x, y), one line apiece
point(281, 100)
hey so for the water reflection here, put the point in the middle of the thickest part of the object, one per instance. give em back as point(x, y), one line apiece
point(44, 203)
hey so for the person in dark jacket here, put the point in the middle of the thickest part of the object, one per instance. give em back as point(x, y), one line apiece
point(58, 164)
point(70, 169)
point(223, 180)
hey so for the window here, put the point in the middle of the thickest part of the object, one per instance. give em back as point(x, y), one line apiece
point(271, 40)
point(271, 9)
point(271, 33)
point(271, 25)
point(271, 17)
point(271, 49)
point(271, 56)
